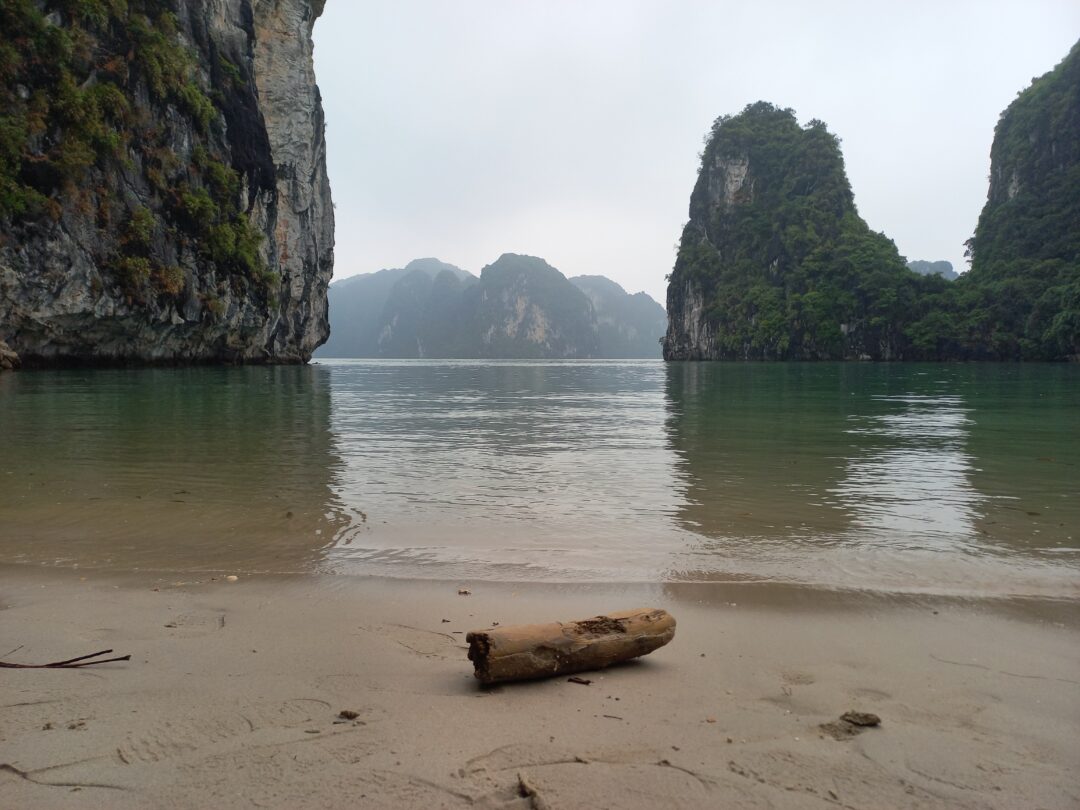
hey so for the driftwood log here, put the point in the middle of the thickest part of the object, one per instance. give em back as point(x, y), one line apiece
point(531, 651)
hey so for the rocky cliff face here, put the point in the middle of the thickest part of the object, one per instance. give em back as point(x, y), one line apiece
point(182, 213)
point(1032, 212)
point(690, 335)
point(775, 262)
point(524, 307)
point(1025, 254)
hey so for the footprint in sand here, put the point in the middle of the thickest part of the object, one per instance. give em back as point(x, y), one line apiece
point(196, 623)
point(296, 777)
point(795, 678)
point(189, 732)
point(870, 694)
point(428, 643)
point(292, 713)
point(557, 777)
point(181, 736)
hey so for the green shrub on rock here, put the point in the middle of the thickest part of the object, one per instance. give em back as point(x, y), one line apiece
point(90, 91)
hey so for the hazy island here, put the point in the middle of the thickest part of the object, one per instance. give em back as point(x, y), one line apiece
point(519, 306)
point(938, 268)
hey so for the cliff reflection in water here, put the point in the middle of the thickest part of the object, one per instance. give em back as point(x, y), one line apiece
point(973, 459)
point(199, 469)
point(759, 446)
point(908, 477)
point(883, 475)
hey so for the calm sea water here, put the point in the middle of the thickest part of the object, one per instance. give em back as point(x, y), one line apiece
point(938, 478)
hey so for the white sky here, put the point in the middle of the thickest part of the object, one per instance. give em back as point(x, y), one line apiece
point(570, 129)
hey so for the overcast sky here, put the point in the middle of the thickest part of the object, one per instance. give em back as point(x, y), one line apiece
point(570, 129)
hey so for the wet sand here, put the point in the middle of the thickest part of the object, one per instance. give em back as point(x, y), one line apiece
point(232, 696)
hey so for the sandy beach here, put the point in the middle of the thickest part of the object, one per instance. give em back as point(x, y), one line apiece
point(232, 697)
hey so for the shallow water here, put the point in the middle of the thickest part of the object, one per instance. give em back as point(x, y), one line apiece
point(937, 478)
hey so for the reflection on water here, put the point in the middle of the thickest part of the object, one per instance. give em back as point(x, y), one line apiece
point(942, 478)
point(909, 484)
point(904, 477)
point(757, 449)
point(512, 470)
point(176, 469)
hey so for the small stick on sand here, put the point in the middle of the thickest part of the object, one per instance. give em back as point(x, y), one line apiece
point(70, 663)
point(533, 651)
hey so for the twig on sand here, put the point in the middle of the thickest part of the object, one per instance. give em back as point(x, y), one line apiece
point(70, 663)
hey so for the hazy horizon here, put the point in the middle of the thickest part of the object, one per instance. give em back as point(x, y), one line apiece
point(475, 273)
point(572, 131)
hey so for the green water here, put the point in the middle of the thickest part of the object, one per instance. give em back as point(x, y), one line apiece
point(939, 478)
point(952, 477)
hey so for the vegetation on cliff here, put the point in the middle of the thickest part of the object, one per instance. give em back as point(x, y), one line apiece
point(92, 92)
point(784, 265)
point(775, 262)
point(1021, 298)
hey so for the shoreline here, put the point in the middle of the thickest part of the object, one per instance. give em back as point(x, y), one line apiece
point(232, 694)
point(769, 589)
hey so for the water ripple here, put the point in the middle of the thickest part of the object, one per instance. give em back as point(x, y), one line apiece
point(938, 478)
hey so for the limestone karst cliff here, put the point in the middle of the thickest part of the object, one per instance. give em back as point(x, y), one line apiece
point(775, 262)
point(163, 187)
point(1025, 254)
point(524, 307)
point(1033, 204)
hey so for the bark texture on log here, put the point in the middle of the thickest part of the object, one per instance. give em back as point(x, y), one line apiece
point(533, 651)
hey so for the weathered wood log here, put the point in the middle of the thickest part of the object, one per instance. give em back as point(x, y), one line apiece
point(531, 651)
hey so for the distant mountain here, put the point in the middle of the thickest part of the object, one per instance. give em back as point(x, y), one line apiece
point(941, 268)
point(519, 307)
point(630, 325)
point(357, 303)
point(524, 307)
